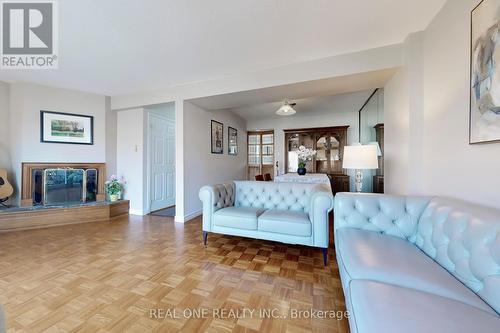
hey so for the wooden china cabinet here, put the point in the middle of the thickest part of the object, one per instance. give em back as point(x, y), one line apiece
point(329, 143)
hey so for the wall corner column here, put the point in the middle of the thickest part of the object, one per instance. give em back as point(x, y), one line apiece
point(179, 162)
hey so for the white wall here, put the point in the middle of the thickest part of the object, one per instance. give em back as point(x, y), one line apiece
point(342, 111)
point(165, 110)
point(201, 167)
point(131, 151)
point(131, 157)
point(396, 134)
point(335, 66)
point(435, 103)
point(404, 123)
point(25, 103)
point(450, 165)
point(111, 134)
point(179, 162)
point(5, 162)
point(5, 158)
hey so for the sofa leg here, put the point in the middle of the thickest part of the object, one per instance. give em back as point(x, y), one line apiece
point(205, 235)
point(325, 255)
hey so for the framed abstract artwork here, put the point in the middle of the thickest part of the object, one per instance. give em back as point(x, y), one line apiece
point(217, 140)
point(232, 141)
point(484, 113)
point(59, 127)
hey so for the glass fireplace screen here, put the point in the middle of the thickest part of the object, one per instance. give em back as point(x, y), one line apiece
point(64, 186)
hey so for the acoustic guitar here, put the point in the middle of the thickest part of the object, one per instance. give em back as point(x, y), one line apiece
point(6, 189)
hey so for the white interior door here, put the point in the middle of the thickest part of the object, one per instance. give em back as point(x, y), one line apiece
point(162, 161)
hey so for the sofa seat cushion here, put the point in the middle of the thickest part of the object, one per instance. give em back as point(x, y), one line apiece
point(370, 255)
point(384, 308)
point(238, 217)
point(287, 222)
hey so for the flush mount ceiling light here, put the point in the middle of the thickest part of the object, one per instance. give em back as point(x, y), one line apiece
point(286, 109)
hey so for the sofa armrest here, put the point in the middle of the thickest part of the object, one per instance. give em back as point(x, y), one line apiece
point(215, 197)
point(321, 205)
point(393, 215)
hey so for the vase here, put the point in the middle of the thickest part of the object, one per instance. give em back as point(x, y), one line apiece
point(301, 171)
point(114, 197)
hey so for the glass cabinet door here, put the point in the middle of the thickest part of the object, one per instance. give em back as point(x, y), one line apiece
point(335, 154)
point(322, 153)
point(307, 140)
point(294, 141)
point(293, 144)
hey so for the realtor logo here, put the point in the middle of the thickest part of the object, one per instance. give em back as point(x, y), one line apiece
point(29, 34)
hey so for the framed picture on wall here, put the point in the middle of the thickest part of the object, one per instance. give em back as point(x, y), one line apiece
point(484, 116)
point(59, 127)
point(217, 140)
point(232, 141)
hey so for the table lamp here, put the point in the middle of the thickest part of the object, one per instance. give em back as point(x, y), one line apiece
point(360, 158)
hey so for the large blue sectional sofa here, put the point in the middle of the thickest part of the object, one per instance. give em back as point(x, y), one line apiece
point(290, 213)
point(418, 264)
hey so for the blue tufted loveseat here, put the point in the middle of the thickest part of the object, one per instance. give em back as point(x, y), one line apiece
point(285, 212)
point(418, 264)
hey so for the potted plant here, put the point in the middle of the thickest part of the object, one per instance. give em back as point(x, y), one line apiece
point(114, 188)
point(304, 154)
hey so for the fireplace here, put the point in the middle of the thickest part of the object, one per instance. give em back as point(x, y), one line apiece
point(64, 186)
point(62, 183)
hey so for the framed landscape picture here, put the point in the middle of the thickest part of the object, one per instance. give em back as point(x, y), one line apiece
point(58, 127)
point(484, 124)
point(232, 142)
point(217, 140)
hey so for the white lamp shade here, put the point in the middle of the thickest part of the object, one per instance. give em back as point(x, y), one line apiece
point(375, 143)
point(360, 157)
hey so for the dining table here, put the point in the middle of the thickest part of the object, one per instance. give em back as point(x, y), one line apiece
point(308, 178)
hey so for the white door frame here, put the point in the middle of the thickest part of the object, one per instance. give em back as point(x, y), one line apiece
point(149, 166)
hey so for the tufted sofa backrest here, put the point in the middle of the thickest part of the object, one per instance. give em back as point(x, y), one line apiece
point(224, 195)
point(465, 239)
point(271, 195)
point(388, 214)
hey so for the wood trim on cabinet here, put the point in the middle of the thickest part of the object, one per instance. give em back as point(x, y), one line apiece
point(317, 129)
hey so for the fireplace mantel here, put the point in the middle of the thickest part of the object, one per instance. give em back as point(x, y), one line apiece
point(27, 172)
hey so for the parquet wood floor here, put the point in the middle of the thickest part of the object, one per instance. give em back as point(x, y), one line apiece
point(110, 276)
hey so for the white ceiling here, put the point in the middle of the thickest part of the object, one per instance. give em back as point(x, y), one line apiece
point(246, 100)
point(312, 106)
point(126, 46)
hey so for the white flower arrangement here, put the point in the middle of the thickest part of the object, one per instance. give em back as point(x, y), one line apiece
point(305, 154)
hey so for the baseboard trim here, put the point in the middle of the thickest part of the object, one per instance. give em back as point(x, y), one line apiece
point(187, 217)
point(137, 212)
